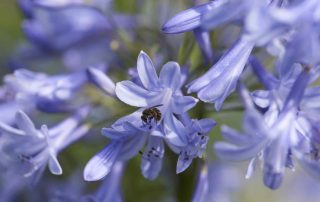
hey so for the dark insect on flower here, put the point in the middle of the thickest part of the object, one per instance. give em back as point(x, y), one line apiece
point(151, 113)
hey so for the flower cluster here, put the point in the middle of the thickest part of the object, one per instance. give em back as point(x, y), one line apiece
point(267, 52)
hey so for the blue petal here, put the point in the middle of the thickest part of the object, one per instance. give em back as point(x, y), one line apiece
point(203, 39)
point(266, 78)
point(182, 104)
point(297, 90)
point(59, 29)
point(221, 79)
point(175, 132)
point(261, 98)
point(101, 80)
point(54, 165)
point(234, 137)
point(251, 168)
point(189, 19)
point(226, 11)
point(132, 94)
point(100, 165)
point(151, 167)
point(132, 118)
point(25, 124)
point(6, 129)
point(147, 72)
point(115, 134)
point(205, 125)
point(170, 76)
point(131, 147)
point(203, 188)
point(183, 163)
point(223, 82)
point(272, 179)
point(235, 153)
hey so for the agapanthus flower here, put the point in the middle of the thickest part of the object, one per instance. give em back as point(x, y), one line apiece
point(163, 91)
point(153, 124)
point(33, 149)
point(127, 139)
point(274, 136)
point(57, 32)
point(196, 132)
point(44, 92)
point(263, 22)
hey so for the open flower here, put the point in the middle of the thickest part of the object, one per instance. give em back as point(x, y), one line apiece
point(34, 149)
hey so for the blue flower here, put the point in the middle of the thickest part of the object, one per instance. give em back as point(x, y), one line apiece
point(221, 80)
point(196, 132)
point(273, 136)
point(189, 21)
point(34, 149)
point(127, 139)
point(46, 93)
point(163, 91)
point(101, 80)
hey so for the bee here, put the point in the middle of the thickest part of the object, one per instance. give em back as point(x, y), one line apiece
point(151, 113)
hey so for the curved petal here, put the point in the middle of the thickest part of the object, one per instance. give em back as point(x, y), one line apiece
point(146, 71)
point(25, 124)
point(232, 61)
point(234, 137)
point(251, 168)
point(6, 129)
point(101, 80)
point(234, 153)
point(152, 161)
point(175, 132)
point(131, 118)
point(170, 76)
point(54, 165)
point(203, 39)
point(132, 94)
point(100, 165)
point(272, 179)
point(222, 14)
point(131, 147)
point(114, 134)
point(261, 98)
point(188, 19)
point(205, 125)
point(183, 163)
point(182, 104)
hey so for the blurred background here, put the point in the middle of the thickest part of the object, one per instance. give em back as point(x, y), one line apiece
point(228, 179)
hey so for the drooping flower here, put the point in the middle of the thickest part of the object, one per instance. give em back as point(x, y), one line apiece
point(221, 80)
point(276, 135)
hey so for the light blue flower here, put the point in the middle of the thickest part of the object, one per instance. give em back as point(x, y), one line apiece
point(163, 91)
point(221, 80)
point(196, 132)
point(46, 93)
point(35, 149)
point(127, 139)
point(274, 136)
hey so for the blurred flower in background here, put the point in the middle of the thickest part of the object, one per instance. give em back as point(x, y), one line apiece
point(196, 71)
